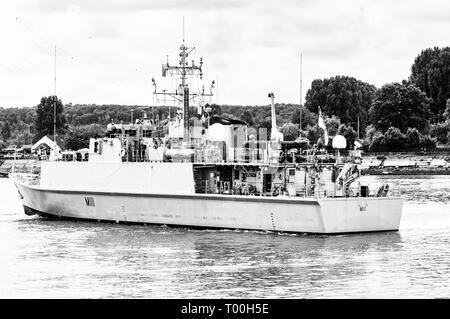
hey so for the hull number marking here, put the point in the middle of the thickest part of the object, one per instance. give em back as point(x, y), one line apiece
point(89, 201)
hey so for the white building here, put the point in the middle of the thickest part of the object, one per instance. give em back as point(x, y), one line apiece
point(46, 148)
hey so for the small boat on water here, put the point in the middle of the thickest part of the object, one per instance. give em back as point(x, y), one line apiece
point(209, 172)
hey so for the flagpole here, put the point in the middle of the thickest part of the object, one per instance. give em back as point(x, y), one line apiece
point(301, 101)
point(54, 111)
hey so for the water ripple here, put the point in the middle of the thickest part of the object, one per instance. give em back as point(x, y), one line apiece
point(60, 259)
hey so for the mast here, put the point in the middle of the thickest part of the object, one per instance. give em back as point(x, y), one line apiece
point(301, 95)
point(182, 94)
point(185, 89)
point(54, 109)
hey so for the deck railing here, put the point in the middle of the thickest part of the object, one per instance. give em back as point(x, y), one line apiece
point(292, 190)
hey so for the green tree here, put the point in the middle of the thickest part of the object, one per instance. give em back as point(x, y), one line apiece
point(314, 133)
point(45, 117)
point(431, 73)
point(247, 117)
point(394, 139)
point(6, 131)
point(290, 131)
point(413, 138)
point(332, 123)
point(349, 133)
point(78, 137)
point(308, 117)
point(378, 142)
point(371, 134)
point(427, 142)
point(400, 106)
point(440, 132)
point(342, 96)
point(22, 138)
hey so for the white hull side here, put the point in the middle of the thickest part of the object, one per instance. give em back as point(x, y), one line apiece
point(357, 214)
point(221, 211)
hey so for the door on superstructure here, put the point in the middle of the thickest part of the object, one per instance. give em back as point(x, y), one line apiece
point(267, 183)
point(226, 178)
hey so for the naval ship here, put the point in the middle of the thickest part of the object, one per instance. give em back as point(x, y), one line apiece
point(203, 170)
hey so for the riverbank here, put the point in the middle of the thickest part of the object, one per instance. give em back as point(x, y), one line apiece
point(406, 171)
point(406, 164)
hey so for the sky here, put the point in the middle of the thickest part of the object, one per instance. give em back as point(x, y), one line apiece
point(108, 51)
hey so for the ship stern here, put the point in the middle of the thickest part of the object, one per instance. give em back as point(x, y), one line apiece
point(361, 214)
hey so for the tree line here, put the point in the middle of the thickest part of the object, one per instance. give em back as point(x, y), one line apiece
point(408, 115)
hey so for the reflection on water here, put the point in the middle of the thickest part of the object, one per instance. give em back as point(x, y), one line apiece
point(46, 259)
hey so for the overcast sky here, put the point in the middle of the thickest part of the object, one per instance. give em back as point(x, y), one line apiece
point(108, 51)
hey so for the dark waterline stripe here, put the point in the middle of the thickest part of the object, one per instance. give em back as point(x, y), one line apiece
point(205, 197)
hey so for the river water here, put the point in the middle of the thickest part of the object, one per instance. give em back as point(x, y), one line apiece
point(40, 258)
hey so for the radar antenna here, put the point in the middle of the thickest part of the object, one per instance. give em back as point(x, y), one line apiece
point(183, 69)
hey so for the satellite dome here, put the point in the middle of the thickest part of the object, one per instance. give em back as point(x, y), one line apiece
point(339, 142)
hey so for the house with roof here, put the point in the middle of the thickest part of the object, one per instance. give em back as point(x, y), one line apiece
point(46, 147)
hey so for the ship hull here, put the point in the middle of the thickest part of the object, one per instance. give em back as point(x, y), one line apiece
point(322, 216)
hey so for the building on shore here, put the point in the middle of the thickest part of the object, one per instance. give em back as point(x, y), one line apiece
point(47, 145)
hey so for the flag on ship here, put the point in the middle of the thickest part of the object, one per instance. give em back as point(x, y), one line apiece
point(322, 126)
